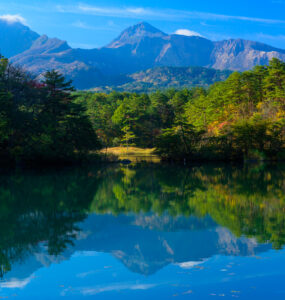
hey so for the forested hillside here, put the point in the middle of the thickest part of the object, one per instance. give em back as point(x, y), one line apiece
point(163, 78)
point(240, 118)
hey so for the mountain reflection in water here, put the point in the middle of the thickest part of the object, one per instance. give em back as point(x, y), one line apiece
point(146, 216)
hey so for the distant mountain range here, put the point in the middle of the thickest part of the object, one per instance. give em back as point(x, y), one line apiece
point(138, 48)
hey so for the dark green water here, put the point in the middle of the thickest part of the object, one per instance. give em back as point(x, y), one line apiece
point(140, 231)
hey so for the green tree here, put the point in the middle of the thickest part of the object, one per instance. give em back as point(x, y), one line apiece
point(128, 136)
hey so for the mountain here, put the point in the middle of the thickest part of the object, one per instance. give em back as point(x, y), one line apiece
point(135, 34)
point(15, 38)
point(51, 53)
point(242, 55)
point(143, 243)
point(168, 77)
point(138, 48)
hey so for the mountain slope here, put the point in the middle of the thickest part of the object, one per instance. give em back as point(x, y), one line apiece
point(15, 38)
point(241, 55)
point(46, 54)
point(138, 48)
point(168, 77)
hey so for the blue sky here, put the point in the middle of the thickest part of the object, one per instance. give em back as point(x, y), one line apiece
point(94, 23)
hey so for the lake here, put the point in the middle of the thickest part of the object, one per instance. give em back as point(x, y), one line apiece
point(143, 231)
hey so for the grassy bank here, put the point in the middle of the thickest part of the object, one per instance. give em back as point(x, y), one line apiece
point(133, 154)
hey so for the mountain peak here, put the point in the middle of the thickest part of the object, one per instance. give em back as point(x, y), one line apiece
point(15, 37)
point(146, 27)
point(135, 33)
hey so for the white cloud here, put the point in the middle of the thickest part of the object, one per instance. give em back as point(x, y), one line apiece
point(187, 32)
point(127, 12)
point(190, 264)
point(16, 283)
point(11, 19)
point(91, 291)
point(94, 291)
point(137, 11)
point(165, 14)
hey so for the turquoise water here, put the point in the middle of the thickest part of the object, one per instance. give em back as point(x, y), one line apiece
point(143, 231)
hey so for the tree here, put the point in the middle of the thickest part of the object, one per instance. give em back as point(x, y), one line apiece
point(161, 111)
point(274, 84)
point(133, 112)
point(62, 128)
point(179, 142)
point(128, 136)
point(5, 108)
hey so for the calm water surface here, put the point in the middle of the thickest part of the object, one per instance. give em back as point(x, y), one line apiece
point(143, 232)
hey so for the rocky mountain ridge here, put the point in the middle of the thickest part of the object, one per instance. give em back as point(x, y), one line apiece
point(138, 48)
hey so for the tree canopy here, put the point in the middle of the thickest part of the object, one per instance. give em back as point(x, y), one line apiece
point(242, 117)
point(39, 119)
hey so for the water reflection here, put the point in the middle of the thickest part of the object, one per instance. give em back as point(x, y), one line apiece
point(147, 216)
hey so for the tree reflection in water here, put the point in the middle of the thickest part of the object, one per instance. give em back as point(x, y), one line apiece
point(45, 211)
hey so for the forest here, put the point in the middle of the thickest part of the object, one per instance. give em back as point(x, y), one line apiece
point(39, 120)
point(46, 120)
point(240, 118)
